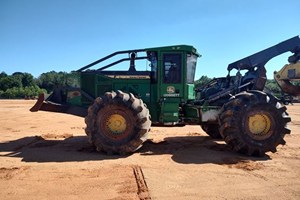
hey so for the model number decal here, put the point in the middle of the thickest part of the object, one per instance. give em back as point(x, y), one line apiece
point(171, 95)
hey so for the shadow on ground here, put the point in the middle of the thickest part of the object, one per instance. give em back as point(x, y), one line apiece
point(196, 150)
point(38, 149)
point(186, 150)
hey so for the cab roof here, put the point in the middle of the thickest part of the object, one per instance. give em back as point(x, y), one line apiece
point(187, 48)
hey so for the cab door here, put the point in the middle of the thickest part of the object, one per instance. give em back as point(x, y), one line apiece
point(171, 90)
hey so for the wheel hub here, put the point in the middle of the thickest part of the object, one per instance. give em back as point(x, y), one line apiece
point(116, 124)
point(259, 124)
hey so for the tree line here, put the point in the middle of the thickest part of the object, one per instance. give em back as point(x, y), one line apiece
point(25, 85)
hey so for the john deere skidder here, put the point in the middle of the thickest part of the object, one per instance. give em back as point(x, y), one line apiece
point(120, 106)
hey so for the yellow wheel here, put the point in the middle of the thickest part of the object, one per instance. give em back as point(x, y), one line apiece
point(116, 124)
point(259, 124)
point(254, 123)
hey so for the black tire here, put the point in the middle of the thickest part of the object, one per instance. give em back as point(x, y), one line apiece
point(254, 123)
point(117, 123)
point(212, 130)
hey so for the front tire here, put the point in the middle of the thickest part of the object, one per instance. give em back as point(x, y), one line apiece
point(117, 123)
point(254, 123)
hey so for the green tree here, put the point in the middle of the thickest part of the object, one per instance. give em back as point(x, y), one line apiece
point(20, 92)
point(18, 85)
point(202, 81)
point(272, 86)
point(26, 78)
point(51, 79)
point(10, 82)
point(2, 75)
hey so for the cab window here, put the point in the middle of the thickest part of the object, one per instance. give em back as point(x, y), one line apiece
point(172, 68)
point(190, 68)
point(152, 57)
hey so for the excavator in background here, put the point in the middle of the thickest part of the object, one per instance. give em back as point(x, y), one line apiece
point(287, 77)
point(120, 106)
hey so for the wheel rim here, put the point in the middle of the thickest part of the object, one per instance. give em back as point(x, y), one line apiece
point(259, 125)
point(116, 124)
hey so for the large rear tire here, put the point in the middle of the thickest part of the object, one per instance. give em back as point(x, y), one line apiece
point(117, 123)
point(254, 123)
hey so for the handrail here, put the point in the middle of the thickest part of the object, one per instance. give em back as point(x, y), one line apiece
point(119, 61)
point(107, 57)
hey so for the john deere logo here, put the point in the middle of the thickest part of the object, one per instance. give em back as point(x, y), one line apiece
point(170, 89)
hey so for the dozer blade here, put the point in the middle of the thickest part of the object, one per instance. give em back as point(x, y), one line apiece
point(41, 104)
point(49, 105)
point(38, 104)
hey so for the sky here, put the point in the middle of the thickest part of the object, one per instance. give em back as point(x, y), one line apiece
point(38, 36)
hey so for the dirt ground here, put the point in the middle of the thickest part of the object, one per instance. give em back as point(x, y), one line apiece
point(46, 156)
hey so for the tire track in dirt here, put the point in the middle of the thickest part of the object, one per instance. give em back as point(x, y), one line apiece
point(143, 191)
point(9, 173)
point(246, 165)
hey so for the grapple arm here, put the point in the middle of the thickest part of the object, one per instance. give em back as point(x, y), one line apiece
point(287, 74)
point(261, 58)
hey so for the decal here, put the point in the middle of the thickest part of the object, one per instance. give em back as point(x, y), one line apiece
point(170, 89)
point(171, 95)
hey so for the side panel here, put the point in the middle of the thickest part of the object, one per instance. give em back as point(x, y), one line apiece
point(96, 85)
point(190, 92)
point(88, 85)
point(154, 106)
point(140, 88)
point(169, 110)
point(195, 114)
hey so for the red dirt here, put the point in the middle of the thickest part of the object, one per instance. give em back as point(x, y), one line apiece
point(47, 156)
